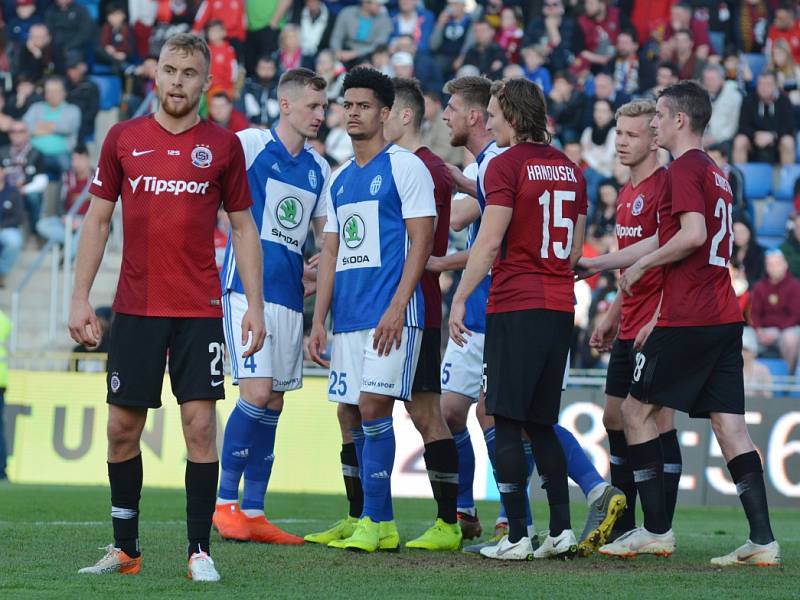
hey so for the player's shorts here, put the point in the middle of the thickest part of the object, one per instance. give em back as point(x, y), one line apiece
point(137, 357)
point(524, 361)
point(620, 369)
point(356, 367)
point(281, 357)
point(696, 370)
point(426, 378)
point(462, 367)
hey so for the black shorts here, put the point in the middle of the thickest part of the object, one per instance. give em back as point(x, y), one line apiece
point(620, 369)
point(137, 357)
point(428, 377)
point(524, 357)
point(696, 370)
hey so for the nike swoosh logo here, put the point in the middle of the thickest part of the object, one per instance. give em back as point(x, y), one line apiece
point(140, 152)
point(217, 383)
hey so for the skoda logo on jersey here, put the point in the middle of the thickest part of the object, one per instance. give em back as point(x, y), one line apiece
point(375, 186)
point(312, 179)
point(638, 205)
point(289, 212)
point(353, 231)
point(202, 156)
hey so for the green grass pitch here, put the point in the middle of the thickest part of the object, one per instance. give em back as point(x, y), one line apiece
point(48, 532)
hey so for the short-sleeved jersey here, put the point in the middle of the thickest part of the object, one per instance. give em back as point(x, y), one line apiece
point(547, 193)
point(637, 219)
point(171, 186)
point(475, 313)
point(367, 207)
point(286, 194)
point(697, 289)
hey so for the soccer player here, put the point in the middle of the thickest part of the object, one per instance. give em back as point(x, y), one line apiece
point(630, 319)
point(379, 233)
point(402, 127)
point(173, 170)
point(286, 178)
point(531, 236)
point(692, 361)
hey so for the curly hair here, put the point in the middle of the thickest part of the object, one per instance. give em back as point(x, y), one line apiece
point(372, 79)
point(523, 106)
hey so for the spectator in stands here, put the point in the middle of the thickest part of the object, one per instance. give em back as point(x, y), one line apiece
point(509, 35)
point(337, 143)
point(791, 246)
point(35, 59)
point(720, 154)
point(719, 15)
point(775, 311)
point(452, 37)
point(25, 16)
point(751, 26)
point(786, 26)
point(556, 33)
point(738, 71)
point(485, 53)
point(288, 55)
point(748, 255)
point(631, 70)
point(565, 105)
point(574, 152)
point(333, 71)
point(221, 112)
point(260, 94)
point(726, 102)
point(11, 217)
point(264, 18)
point(54, 126)
point(359, 30)
point(604, 90)
point(316, 24)
point(141, 85)
point(231, 13)
point(533, 68)
point(648, 18)
point(413, 19)
point(72, 29)
point(21, 98)
point(116, 46)
point(435, 133)
point(426, 69)
point(74, 188)
point(690, 66)
point(83, 93)
point(666, 74)
point(402, 65)
point(597, 142)
point(171, 18)
point(787, 72)
point(381, 60)
point(766, 125)
point(605, 217)
point(599, 25)
point(224, 69)
point(756, 374)
point(5, 332)
point(24, 169)
point(681, 19)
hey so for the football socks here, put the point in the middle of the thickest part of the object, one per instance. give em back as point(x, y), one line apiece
point(441, 461)
point(378, 460)
point(259, 464)
point(236, 447)
point(647, 461)
point(201, 484)
point(511, 474)
point(748, 475)
point(673, 466)
point(352, 479)
point(466, 469)
point(125, 479)
point(552, 465)
point(622, 478)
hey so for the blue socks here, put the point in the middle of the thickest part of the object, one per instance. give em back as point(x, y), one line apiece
point(579, 467)
point(259, 466)
point(378, 455)
point(237, 447)
point(466, 469)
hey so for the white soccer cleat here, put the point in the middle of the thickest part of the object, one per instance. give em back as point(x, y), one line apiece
point(640, 541)
point(759, 555)
point(564, 546)
point(201, 568)
point(505, 550)
point(114, 561)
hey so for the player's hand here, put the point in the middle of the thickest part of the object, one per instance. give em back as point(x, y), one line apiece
point(585, 268)
point(629, 278)
point(317, 344)
point(603, 335)
point(434, 264)
point(643, 334)
point(389, 330)
point(83, 325)
point(458, 310)
point(253, 328)
point(310, 276)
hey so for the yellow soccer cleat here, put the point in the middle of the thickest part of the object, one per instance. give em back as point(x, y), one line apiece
point(442, 536)
point(341, 530)
point(603, 514)
point(366, 537)
point(389, 537)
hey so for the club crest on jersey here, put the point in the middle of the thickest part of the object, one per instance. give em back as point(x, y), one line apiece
point(312, 179)
point(115, 382)
point(375, 186)
point(638, 205)
point(202, 157)
point(353, 231)
point(289, 212)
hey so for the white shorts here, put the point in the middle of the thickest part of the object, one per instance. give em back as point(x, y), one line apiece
point(281, 357)
point(462, 367)
point(356, 367)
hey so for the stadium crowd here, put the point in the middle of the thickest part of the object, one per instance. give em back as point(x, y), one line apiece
point(63, 62)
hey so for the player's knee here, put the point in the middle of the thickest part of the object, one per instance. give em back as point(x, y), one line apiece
point(634, 413)
point(612, 419)
point(456, 419)
point(275, 401)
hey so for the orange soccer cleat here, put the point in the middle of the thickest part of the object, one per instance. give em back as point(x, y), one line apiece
point(264, 532)
point(231, 523)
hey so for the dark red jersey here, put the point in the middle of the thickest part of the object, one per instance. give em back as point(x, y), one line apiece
point(171, 188)
point(637, 219)
point(697, 289)
point(442, 193)
point(547, 194)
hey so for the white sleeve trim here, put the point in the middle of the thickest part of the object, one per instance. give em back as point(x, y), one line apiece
point(414, 184)
point(253, 142)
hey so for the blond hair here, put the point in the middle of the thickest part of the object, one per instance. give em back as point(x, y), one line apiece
point(636, 108)
point(189, 43)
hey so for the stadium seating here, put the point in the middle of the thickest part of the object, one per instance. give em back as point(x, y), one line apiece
point(786, 180)
point(771, 217)
point(777, 368)
point(110, 90)
point(757, 179)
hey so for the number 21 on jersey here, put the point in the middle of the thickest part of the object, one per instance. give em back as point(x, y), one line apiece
point(724, 212)
point(560, 250)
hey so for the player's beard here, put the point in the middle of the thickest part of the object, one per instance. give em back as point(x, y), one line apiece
point(458, 139)
point(190, 105)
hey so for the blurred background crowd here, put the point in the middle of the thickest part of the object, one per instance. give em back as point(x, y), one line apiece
point(69, 69)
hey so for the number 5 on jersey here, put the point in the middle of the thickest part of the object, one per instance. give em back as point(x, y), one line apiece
point(560, 250)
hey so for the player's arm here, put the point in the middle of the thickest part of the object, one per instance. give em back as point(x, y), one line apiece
point(390, 327)
point(689, 238)
point(620, 259)
point(647, 329)
point(310, 268)
point(577, 240)
point(450, 262)
point(464, 185)
point(494, 225)
point(249, 261)
point(326, 271)
point(464, 212)
point(606, 331)
point(83, 326)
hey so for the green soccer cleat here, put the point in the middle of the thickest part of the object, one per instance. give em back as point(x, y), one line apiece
point(389, 537)
point(341, 530)
point(366, 537)
point(442, 536)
